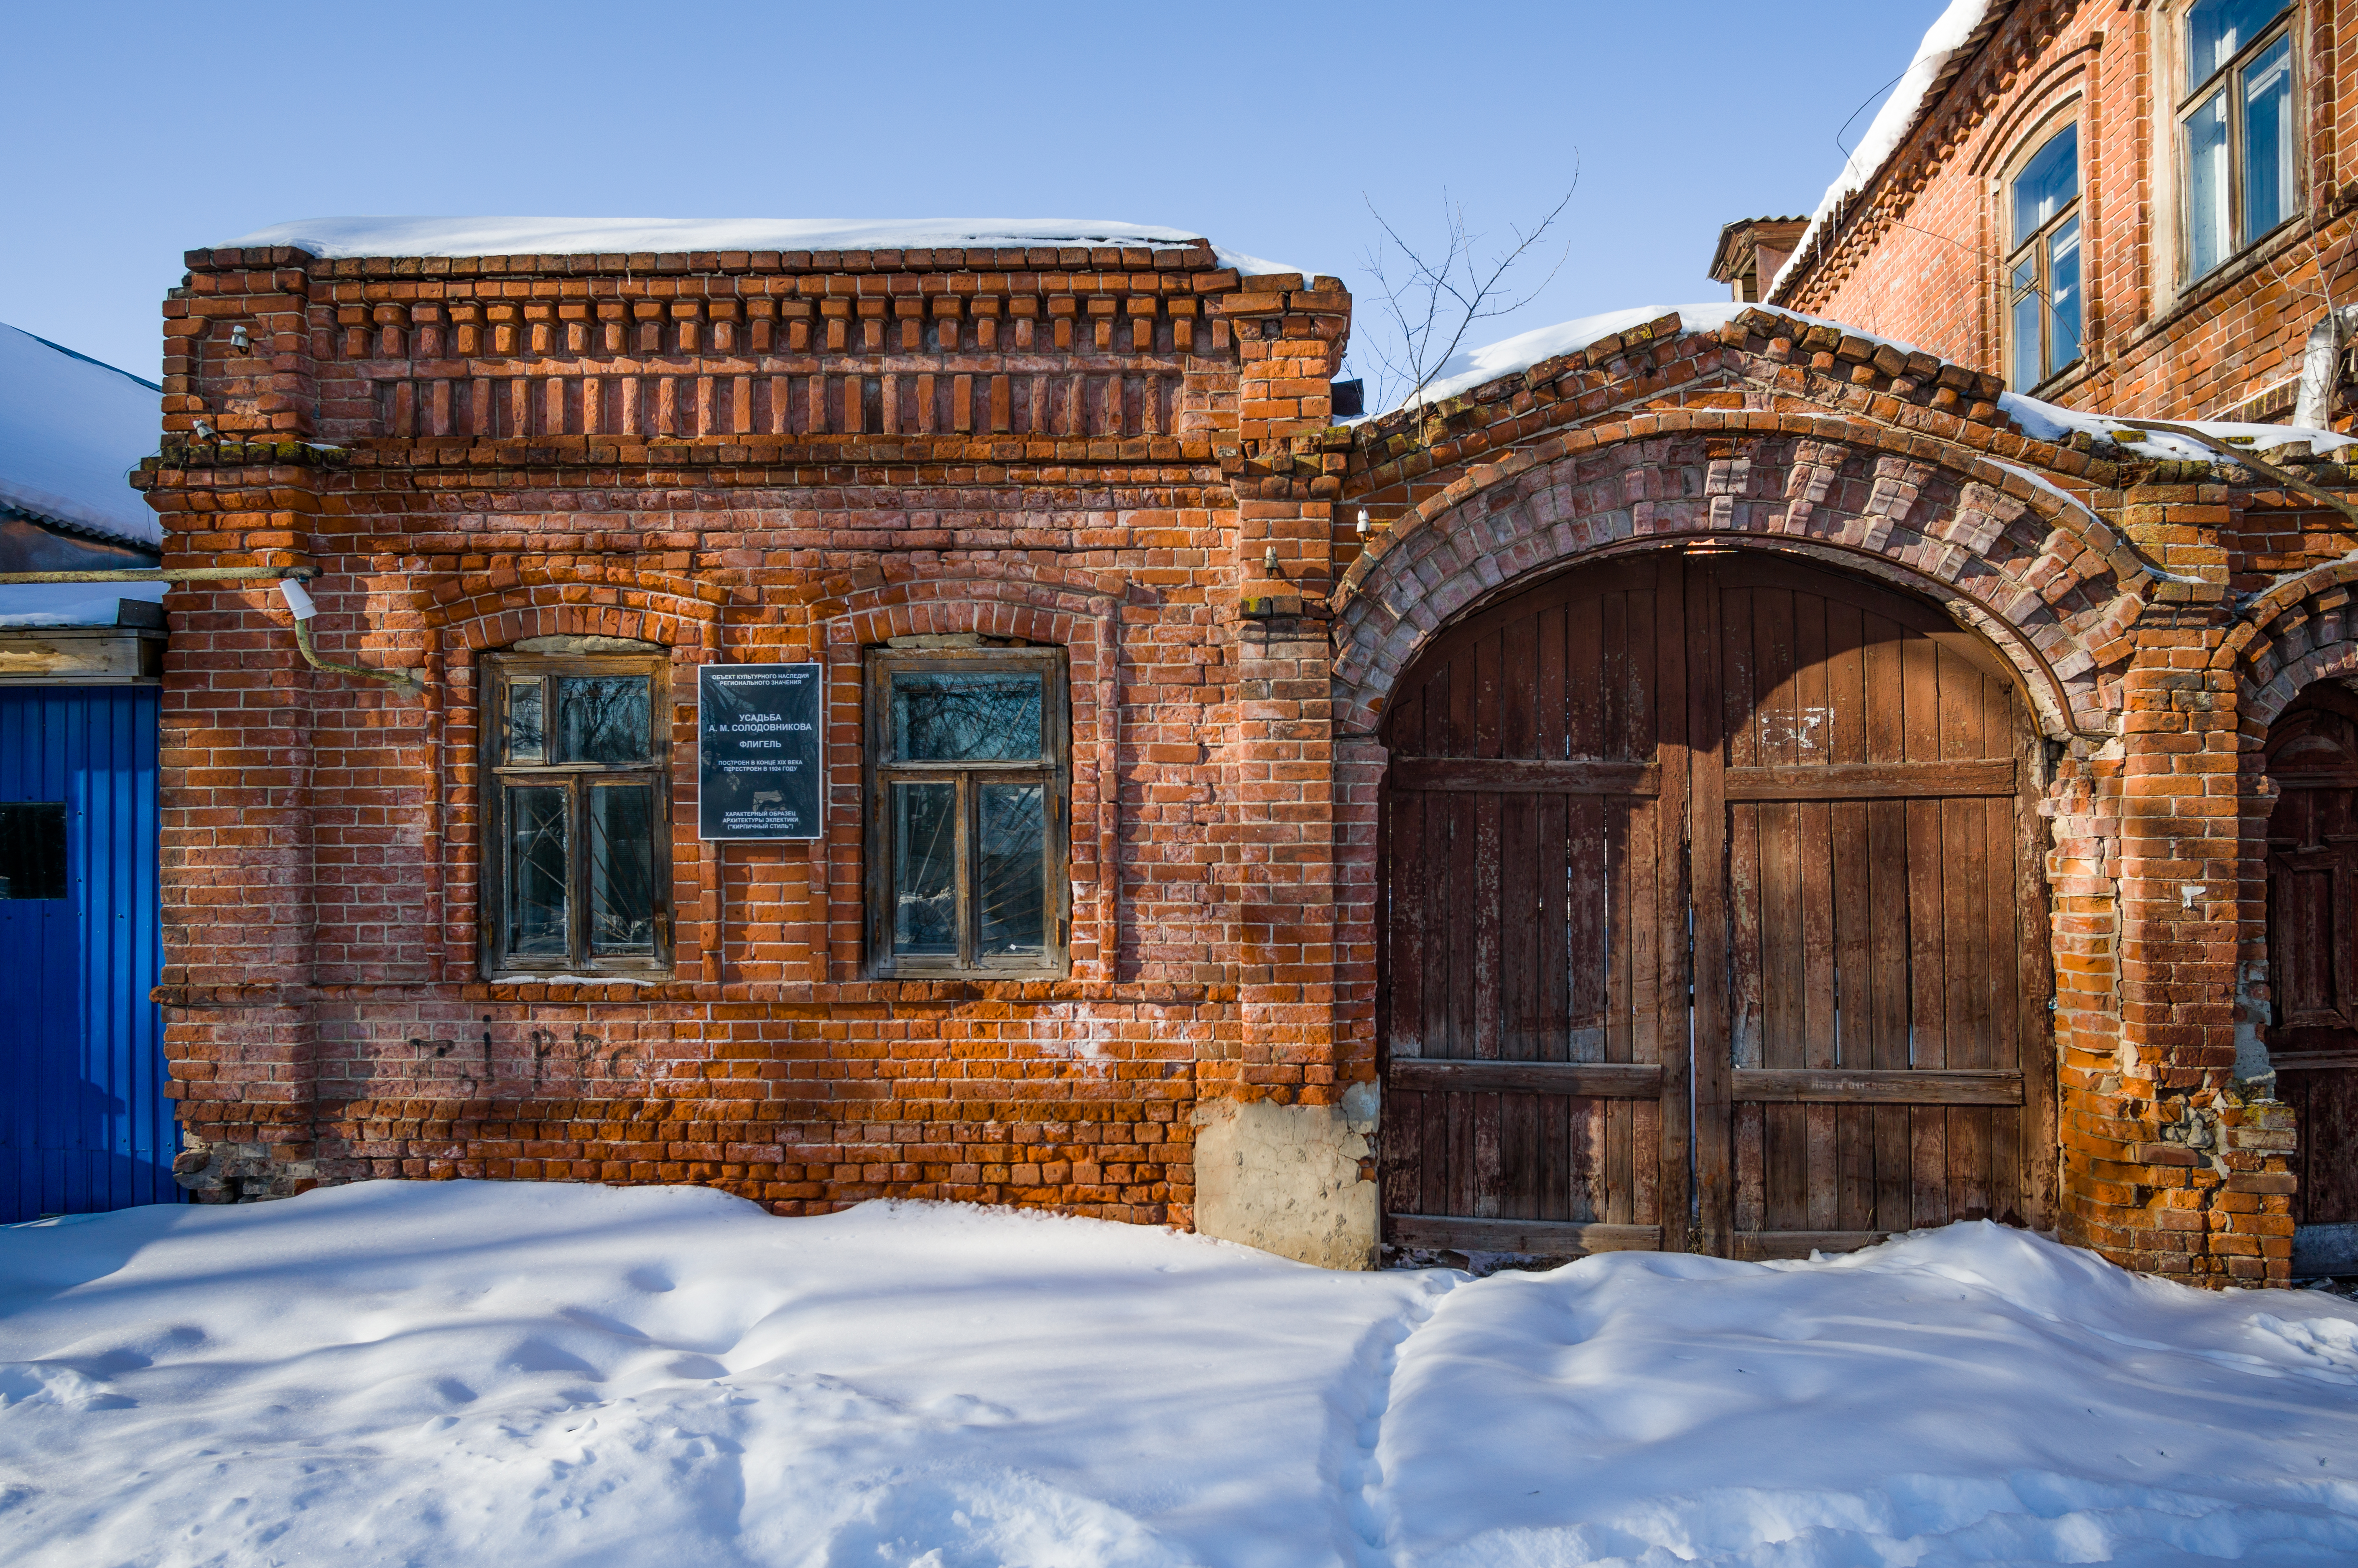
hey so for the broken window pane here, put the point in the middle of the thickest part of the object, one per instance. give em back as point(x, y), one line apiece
point(536, 857)
point(622, 869)
point(1014, 846)
point(925, 868)
point(959, 716)
point(601, 718)
point(525, 745)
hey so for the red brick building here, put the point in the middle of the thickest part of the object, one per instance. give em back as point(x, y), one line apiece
point(1735, 785)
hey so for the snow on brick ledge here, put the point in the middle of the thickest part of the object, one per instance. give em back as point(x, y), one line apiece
point(1495, 369)
point(342, 239)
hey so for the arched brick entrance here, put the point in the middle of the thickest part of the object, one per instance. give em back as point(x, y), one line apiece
point(1711, 898)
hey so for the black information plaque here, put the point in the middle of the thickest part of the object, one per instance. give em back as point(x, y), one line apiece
point(759, 769)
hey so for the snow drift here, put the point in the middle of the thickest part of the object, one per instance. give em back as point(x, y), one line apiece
point(505, 1374)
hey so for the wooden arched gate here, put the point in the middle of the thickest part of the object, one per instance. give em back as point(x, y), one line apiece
point(1713, 918)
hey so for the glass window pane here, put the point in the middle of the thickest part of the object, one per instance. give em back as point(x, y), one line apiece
point(2267, 139)
point(1011, 855)
point(2063, 296)
point(601, 718)
point(536, 864)
point(2217, 29)
point(925, 868)
point(524, 722)
point(2046, 183)
point(2028, 364)
point(33, 849)
point(957, 715)
point(2207, 243)
point(623, 870)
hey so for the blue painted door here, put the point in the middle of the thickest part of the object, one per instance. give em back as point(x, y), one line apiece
point(84, 1123)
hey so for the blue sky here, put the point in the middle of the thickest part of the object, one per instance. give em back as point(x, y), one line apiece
point(137, 132)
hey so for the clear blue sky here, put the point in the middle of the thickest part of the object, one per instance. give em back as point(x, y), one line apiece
point(140, 130)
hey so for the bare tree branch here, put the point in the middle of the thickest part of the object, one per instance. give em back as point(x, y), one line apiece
point(1431, 296)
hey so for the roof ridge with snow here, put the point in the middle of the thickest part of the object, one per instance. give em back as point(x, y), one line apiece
point(71, 429)
point(1950, 45)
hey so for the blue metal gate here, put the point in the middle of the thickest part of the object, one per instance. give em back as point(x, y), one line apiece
point(84, 1123)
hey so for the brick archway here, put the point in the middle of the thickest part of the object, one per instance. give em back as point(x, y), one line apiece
point(2042, 579)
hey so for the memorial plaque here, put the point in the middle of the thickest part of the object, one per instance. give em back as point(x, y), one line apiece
point(758, 767)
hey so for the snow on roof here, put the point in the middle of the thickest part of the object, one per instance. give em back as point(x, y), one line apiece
point(1894, 120)
point(1470, 368)
point(71, 429)
point(332, 239)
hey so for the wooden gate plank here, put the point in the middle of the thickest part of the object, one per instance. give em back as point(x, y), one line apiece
point(1594, 1080)
point(1739, 747)
point(1665, 979)
point(1963, 930)
point(1707, 887)
point(1919, 715)
point(1887, 847)
point(1523, 1236)
point(1872, 781)
point(1854, 1177)
point(1856, 1085)
point(1815, 859)
point(1492, 776)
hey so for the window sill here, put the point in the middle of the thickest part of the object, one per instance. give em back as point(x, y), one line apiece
point(1029, 975)
point(581, 977)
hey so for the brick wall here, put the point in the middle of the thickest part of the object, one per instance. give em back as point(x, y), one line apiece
point(736, 456)
point(1128, 457)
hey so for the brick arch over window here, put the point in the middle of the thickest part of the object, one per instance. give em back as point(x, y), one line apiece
point(2045, 580)
point(1067, 611)
point(468, 614)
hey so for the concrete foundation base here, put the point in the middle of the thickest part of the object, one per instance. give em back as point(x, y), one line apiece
point(1286, 1178)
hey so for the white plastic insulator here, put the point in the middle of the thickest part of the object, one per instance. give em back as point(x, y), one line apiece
point(296, 598)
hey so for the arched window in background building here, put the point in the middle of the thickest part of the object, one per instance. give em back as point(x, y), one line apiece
point(2237, 126)
point(2043, 273)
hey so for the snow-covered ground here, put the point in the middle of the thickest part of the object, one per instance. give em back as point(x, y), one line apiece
point(529, 1376)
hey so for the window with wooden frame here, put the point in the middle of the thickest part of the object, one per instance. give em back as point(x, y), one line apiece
point(2236, 136)
point(970, 787)
point(2042, 287)
point(577, 815)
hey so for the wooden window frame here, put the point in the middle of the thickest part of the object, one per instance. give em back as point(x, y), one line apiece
point(495, 672)
point(2227, 78)
point(2036, 246)
point(1053, 769)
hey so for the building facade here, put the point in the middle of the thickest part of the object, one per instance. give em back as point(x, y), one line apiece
point(1747, 784)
